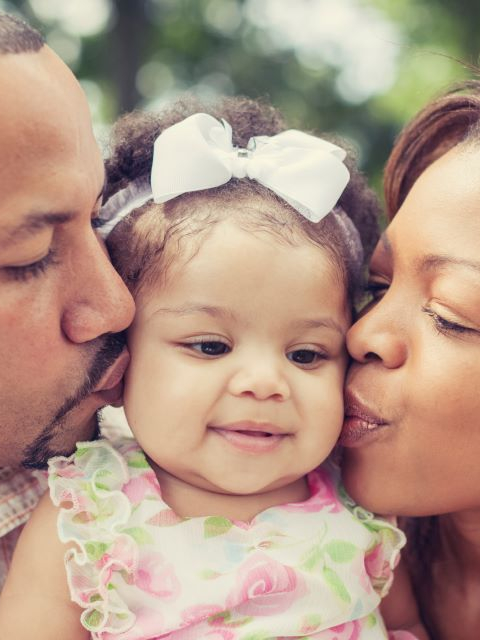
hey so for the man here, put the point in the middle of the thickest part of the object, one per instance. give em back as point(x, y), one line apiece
point(61, 302)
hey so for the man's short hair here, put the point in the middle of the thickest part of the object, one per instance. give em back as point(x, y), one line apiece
point(16, 36)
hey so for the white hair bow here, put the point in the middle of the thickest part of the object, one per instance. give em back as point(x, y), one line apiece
point(197, 153)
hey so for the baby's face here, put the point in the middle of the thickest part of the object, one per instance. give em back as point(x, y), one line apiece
point(238, 362)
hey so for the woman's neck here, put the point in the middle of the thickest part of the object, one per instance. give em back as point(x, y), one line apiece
point(460, 544)
point(450, 586)
point(192, 501)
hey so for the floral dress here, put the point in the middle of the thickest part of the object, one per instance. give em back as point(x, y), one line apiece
point(315, 569)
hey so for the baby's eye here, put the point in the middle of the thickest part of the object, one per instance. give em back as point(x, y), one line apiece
point(306, 358)
point(212, 348)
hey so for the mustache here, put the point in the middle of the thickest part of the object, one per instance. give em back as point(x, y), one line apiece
point(110, 350)
point(37, 454)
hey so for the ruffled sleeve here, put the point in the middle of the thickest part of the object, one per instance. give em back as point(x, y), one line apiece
point(87, 486)
point(383, 554)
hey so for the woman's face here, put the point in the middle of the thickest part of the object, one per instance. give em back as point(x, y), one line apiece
point(412, 427)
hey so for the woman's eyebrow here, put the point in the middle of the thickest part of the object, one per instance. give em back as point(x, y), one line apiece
point(433, 261)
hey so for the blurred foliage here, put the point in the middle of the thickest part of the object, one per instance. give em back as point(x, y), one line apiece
point(306, 56)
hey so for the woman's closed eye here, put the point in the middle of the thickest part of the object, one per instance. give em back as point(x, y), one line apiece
point(445, 326)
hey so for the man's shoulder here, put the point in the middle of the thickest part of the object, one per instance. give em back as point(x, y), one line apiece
point(20, 490)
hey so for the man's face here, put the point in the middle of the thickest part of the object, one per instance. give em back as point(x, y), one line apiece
point(59, 294)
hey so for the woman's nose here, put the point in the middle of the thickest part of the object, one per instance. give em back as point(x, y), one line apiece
point(263, 379)
point(379, 335)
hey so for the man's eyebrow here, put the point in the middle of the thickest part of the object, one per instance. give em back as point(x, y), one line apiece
point(34, 222)
point(433, 261)
point(31, 224)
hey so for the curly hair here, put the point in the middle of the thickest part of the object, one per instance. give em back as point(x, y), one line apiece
point(138, 246)
point(16, 36)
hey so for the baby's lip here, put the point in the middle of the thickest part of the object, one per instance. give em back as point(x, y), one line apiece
point(251, 426)
point(110, 386)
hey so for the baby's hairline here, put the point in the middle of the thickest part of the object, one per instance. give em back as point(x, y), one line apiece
point(262, 217)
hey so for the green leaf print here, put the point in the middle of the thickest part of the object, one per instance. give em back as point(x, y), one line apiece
point(340, 551)
point(92, 620)
point(258, 635)
point(95, 550)
point(138, 461)
point(337, 585)
point(216, 526)
point(371, 620)
point(312, 558)
point(141, 536)
point(102, 474)
point(310, 623)
point(225, 618)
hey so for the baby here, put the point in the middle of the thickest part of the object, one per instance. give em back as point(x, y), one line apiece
point(241, 243)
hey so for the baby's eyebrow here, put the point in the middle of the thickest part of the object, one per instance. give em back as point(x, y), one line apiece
point(221, 312)
point(211, 310)
point(320, 323)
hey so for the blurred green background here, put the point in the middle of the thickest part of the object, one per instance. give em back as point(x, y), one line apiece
point(360, 68)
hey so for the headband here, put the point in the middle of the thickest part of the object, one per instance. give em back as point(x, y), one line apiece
point(197, 153)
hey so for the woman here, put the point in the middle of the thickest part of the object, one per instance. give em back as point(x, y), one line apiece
point(412, 427)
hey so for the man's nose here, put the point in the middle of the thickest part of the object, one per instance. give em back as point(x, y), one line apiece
point(98, 300)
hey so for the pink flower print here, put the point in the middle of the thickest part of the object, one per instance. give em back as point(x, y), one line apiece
point(220, 634)
point(122, 554)
point(136, 488)
point(69, 471)
point(195, 614)
point(157, 577)
point(346, 631)
point(323, 495)
point(264, 587)
point(148, 624)
point(375, 561)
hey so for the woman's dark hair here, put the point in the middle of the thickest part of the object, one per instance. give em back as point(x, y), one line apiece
point(141, 240)
point(450, 120)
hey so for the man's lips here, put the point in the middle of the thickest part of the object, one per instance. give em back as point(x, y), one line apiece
point(250, 436)
point(360, 421)
point(110, 387)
